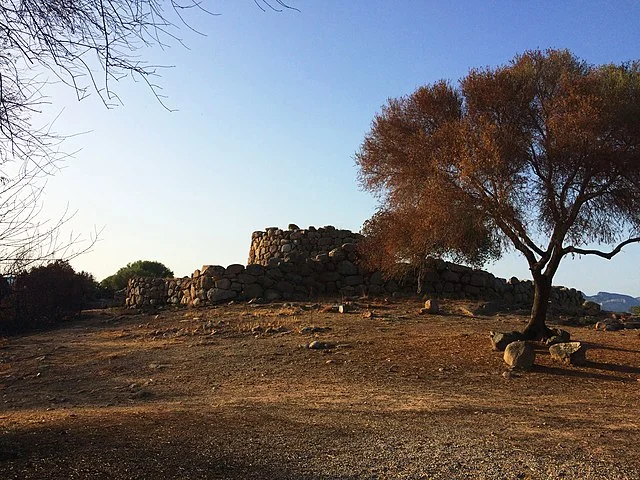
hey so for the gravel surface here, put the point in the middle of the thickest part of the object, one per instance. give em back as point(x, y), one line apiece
point(236, 393)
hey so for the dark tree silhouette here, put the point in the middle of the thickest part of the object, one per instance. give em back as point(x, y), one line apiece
point(542, 154)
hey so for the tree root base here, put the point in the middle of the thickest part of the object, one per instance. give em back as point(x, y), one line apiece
point(537, 332)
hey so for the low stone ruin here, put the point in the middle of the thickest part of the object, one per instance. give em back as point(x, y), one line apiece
point(299, 264)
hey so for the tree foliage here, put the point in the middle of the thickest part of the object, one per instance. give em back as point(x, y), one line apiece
point(542, 154)
point(43, 296)
point(140, 268)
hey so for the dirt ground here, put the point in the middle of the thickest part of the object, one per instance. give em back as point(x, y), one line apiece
point(235, 392)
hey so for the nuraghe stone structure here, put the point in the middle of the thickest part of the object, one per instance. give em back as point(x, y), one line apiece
point(298, 264)
point(274, 244)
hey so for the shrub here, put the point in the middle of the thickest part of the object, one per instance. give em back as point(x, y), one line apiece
point(140, 268)
point(44, 296)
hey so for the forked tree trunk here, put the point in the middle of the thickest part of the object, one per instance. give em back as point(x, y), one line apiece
point(537, 328)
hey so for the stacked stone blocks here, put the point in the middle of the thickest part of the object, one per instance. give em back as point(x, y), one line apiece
point(314, 266)
point(275, 244)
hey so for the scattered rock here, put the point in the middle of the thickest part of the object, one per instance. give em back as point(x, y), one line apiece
point(318, 345)
point(558, 336)
point(572, 353)
point(610, 325)
point(329, 309)
point(431, 306)
point(553, 340)
point(314, 329)
point(140, 394)
point(632, 323)
point(157, 366)
point(519, 355)
point(344, 308)
point(561, 333)
point(500, 340)
point(467, 312)
point(490, 308)
point(278, 329)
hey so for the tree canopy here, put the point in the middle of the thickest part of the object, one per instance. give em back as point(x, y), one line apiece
point(541, 154)
point(139, 268)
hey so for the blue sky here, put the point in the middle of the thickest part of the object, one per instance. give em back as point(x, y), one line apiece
point(270, 109)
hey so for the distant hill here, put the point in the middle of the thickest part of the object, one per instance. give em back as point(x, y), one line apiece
point(614, 302)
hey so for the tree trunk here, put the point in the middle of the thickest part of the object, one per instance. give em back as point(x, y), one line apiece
point(420, 278)
point(537, 328)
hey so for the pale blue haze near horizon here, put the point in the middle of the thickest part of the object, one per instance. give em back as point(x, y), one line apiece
point(270, 109)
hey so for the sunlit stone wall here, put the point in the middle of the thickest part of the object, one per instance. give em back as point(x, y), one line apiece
point(324, 262)
point(274, 243)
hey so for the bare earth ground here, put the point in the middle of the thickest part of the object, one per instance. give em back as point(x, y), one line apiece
point(206, 394)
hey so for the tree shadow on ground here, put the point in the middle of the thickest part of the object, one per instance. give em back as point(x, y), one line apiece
point(567, 372)
point(65, 452)
point(613, 367)
point(618, 368)
point(607, 347)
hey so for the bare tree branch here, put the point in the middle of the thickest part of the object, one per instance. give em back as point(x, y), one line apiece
point(607, 255)
point(87, 45)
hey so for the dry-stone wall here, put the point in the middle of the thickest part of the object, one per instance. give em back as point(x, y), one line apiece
point(295, 275)
point(274, 244)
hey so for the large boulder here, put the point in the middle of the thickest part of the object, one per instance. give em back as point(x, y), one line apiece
point(216, 295)
point(572, 353)
point(347, 268)
point(271, 294)
point(223, 284)
point(234, 269)
point(214, 271)
point(500, 340)
point(252, 290)
point(254, 269)
point(519, 355)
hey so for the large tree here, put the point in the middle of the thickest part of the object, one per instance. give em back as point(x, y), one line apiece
point(542, 154)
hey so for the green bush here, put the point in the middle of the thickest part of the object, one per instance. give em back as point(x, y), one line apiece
point(141, 268)
point(44, 296)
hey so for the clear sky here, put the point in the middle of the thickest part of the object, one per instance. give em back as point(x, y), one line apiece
point(270, 109)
